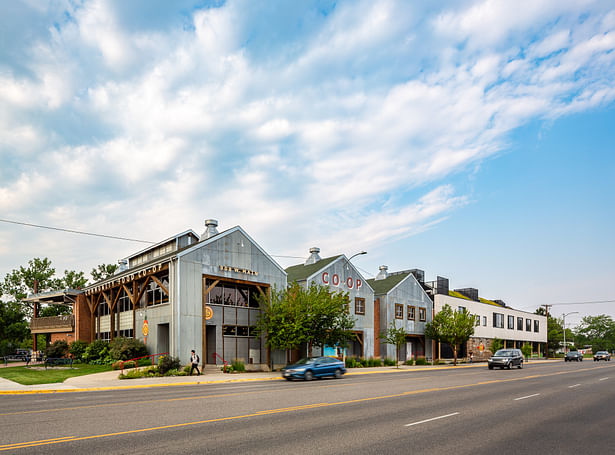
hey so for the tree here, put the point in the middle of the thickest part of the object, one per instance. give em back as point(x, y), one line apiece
point(296, 315)
point(452, 327)
point(20, 282)
point(599, 331)
point(526, 349)
point(74, 280)
point(13, 327)
point(396, 337)
point(555, 333)
point(496, 344)
point(103, 271)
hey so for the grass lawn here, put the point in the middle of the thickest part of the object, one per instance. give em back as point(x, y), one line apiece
point(34, 375)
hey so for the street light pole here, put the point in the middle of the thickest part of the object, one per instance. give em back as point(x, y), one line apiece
point(567, 314)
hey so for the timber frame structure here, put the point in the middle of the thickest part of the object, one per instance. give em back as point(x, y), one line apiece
point(134, 284)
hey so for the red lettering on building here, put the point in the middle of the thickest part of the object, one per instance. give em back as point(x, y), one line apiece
point(349, 282)
point(325, 277)
point(336, 280)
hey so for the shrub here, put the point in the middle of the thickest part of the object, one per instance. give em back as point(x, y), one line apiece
point(187, 369)
point(371, 362)
point(409, 362)
point(77, 349)
point(121, 348)
point(421, 361)
point(96, 351)
point(389, 362)
point(127, 365)
point(351, 362)
point(168, 363)
point(132, 374)
point(227, 368)
point(58, 348)
point(238, 366)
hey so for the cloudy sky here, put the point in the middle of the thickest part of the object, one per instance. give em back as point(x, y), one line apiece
point(473, 140)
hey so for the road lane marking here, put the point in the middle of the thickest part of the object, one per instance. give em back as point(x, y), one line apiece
point(603, 379)
point(432, 419)
point(40, 442)
point(527, 396)
point(573, 386)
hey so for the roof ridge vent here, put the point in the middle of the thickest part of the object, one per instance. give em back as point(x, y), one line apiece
point(314, 257)
point(383, 274)
point(210, 229)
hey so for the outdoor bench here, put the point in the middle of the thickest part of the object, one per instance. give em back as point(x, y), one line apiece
point(55, 361)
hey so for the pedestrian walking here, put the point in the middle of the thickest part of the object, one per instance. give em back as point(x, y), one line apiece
point(194, 360)
point(471, 357)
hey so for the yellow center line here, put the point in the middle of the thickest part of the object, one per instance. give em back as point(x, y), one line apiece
point(279, 410)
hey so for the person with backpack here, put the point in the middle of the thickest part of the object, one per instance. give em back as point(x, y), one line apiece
point(194, 360)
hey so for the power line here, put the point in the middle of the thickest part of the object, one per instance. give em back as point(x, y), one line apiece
point(583, 303)
point(72, 231)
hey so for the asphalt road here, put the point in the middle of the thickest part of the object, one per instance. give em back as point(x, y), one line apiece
point(555, 408)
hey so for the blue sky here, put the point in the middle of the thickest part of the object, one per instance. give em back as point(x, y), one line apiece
point(472, 140)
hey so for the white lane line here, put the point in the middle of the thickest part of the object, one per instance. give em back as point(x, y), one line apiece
point(433, 418)
point(573, 386)
point(603, 379)
point(528, 396)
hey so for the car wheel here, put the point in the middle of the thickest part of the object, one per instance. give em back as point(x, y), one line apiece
point(491, 367)
point(308, 376)
point(520, 365)
point(509, 365)
point(338, 374)
point(289, 379)
point(565, 359)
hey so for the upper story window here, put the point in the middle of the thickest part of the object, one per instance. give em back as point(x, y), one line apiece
point(411, 313)
point(528, 325)
point(498, 320)
point(103, 309)
point(399, 311)
point(461, 309)
point(422, 314)
point(359, 305)
point(124, 303)
point(511, 322)
point(477, 320)
point(536, 326)
point(484, 321)
point(232, 294)
point(519, 323)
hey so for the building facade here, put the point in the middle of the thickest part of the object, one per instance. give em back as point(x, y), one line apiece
point(400, 300)
point(339, 275)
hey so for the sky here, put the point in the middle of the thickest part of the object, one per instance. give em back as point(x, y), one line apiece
point(472, 140)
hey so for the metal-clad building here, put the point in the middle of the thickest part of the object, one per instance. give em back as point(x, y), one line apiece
point(338, 274)
point(194, 294)
point(402, 301)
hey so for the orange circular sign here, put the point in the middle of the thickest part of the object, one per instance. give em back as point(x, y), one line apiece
point(145, 328)
point(209, 313)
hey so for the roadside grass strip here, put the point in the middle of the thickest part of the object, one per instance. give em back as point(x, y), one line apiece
point(432, 419)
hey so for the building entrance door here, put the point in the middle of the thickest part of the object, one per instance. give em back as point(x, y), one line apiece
point(210, 341)
point(162, 338)
point(409, 350)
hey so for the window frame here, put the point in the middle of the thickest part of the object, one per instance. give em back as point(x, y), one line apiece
point(399, 311)
point(536, 325)
point(411, 313)
point(358, 301)
point(511, 322)
point(422, 314)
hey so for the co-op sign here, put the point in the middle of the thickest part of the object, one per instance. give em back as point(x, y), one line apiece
point(335, 280)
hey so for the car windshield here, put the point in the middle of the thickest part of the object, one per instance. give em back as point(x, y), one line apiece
point(601, 353)
point(504, 353)
point(307, 361)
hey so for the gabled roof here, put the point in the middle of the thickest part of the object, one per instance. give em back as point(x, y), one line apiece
point(386, 285)
point(302, 272)
point(162, 242)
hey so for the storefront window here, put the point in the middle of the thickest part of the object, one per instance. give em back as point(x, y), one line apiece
point(230, 297)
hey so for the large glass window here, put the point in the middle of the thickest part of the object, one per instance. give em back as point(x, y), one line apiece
point(154, 294)
point(422, 314)
point(124, 303)
point(519, 323)
point(232, 294)
point(498, 320)
point(238, 330)
point(528, 325)
point(103, 309)
point(399, 311)
point(511, 322)
point(536, 326)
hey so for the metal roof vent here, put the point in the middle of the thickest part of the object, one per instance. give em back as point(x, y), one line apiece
point(314, 257)
point(210, 229)
point(123, 265)
point(382, 275)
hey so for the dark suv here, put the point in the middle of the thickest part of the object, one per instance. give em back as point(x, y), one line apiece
point(573, 355)
point(506, 358)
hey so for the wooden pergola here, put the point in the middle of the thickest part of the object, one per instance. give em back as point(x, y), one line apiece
point(134, 284)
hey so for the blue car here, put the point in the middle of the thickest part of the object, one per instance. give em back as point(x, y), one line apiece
point(314, 367)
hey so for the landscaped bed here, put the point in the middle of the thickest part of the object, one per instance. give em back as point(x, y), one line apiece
point(39, 375)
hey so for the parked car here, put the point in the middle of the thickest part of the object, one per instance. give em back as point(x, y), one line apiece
point(573, 355)
point(506, 358)
point(602, 355)
point(314, 367)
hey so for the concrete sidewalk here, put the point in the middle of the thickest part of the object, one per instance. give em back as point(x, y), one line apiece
point(108, 380)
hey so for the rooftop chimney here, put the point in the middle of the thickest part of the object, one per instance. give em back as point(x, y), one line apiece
point(382, 275)
point(314, 258)
point(210, 229)
point(123, 265)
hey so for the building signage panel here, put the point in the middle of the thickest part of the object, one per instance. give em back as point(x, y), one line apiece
point(228, 268)
point(334, 279)
point(125, 279)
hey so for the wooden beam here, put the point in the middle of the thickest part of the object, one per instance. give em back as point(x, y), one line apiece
point(162, 286)
point(107, 299)
point(208, 290)
point(145, 283)
point(117, 297)
point(127, 292)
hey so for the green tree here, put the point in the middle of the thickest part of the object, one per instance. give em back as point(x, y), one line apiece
point(452, 327)
point(396, 337)
point(598, 331)
point(314, 316)
point(555, 333)
point(20, 282)
point(13, 327)
point(526, 349)
point(496, 344)
point(103, 271)
point(74, 280)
